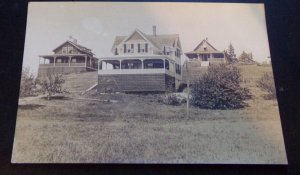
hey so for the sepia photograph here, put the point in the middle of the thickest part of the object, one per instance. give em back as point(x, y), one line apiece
point(147, 82)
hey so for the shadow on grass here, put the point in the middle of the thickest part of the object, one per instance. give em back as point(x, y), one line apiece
point(30, 106)
point(60, 97)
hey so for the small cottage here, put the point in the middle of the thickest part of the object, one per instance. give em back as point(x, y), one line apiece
point(206, 54)
point(69, 57)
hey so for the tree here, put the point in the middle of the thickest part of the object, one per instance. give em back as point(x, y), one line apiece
point(52, 83)
point(28, 85)
point(246, 58)
point(220, 88)
point(230, 55)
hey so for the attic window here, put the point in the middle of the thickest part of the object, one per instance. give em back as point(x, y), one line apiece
point(205, 48)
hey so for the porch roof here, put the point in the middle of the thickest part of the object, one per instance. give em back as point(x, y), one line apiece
point(134, 57)
point(57, 55)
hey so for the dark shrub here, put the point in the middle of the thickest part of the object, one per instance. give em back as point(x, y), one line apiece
point(220, 88)
point(266, 83)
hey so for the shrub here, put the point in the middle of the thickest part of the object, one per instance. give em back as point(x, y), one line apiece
point(51, 84)
point(220, 88)
point(27, 87)
point(266, 83)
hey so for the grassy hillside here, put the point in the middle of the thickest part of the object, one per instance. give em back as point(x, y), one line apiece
point(79, 82)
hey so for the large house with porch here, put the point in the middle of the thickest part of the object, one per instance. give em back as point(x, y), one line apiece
point(205, 54)
point(69, 57)
point(141, 63)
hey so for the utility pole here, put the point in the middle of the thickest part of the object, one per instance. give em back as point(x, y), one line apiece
point(188, 90)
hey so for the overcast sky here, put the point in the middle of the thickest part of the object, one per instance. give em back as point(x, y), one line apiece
point(95, 25)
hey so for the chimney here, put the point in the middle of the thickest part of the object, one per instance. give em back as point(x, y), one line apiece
point(154, 30)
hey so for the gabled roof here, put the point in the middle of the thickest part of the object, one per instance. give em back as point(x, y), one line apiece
point(205, 44)
point(78, 46)
point(158, 41)
point(204, 47)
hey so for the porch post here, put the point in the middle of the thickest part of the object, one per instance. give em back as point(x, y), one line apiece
point(120, 64)
point(70, 58)
point(90, 62)
point(54, 60)
point(142, 63)
point(85, 60)
point(164, 63)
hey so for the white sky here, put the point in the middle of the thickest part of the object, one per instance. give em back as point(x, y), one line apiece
point(95, 25)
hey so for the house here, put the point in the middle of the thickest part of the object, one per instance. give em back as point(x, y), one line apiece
point(142, 63)
point(199, 60)
point(205, 54)
point(69, 57)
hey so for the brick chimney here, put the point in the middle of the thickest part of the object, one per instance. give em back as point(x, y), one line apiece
point(154, 30)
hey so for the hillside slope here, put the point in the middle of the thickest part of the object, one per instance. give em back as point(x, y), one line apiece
point(79, 82)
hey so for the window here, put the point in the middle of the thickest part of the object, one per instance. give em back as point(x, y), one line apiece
point(124, 48)
point(139, 48)
point(167, 65)
point(109, 65)
point(178, 69)
point(205, 48)
point(153, 64)
point(64, 50)
point(146, 47)
point(132, 46)
point(131, 64)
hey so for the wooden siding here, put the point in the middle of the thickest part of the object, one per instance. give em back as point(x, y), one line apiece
point(135, 83)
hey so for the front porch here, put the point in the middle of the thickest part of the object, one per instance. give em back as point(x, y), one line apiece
point(68, 60)
point(138, 65)
point(207, 58)
point(137, 74)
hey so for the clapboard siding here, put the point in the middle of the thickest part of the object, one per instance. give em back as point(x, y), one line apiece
point(134, 82)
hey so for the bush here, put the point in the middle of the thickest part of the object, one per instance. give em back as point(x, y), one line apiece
point(52, 84)
point(28, 86)
point(170, 99)
point(220, 88)
point(266, 83)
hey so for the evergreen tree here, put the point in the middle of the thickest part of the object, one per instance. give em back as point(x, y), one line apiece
point(230, 55)
point(246, 58)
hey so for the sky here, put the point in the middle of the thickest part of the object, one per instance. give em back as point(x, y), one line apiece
point(95, 25)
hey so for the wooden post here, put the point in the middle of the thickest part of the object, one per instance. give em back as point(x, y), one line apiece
point(70, 58)
point(85, 60)
point(90, 62)
point(54, 60)
point(188, 91)
point(120, 64)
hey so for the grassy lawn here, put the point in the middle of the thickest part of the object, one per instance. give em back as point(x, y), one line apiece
point(138, 129)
